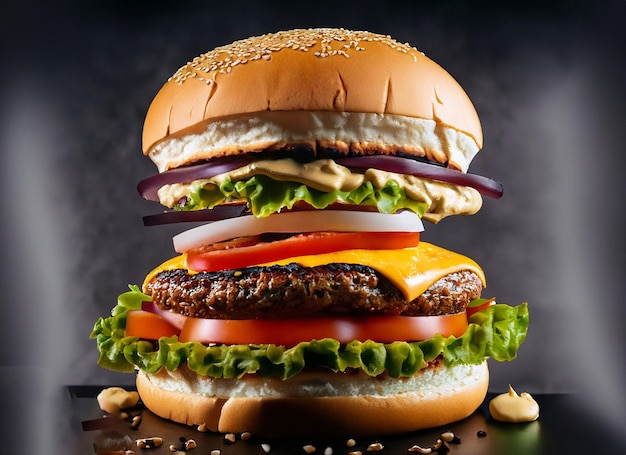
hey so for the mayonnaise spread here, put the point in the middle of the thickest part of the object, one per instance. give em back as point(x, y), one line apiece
point(511, 407)
point(114, 399)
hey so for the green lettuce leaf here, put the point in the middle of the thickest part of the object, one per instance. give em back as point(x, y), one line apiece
point(496, 332)
point(265, 196)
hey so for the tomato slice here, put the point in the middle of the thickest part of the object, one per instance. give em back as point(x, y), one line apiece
point(298, 245)
point(385, 329)
point(479, 305)
point(149, 326)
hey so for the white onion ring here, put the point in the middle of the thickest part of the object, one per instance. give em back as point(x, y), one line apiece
point(297, 222)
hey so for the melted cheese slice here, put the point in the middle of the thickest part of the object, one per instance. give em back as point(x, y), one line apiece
point(411, 270)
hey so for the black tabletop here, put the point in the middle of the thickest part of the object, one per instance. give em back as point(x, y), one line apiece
point(563, 427)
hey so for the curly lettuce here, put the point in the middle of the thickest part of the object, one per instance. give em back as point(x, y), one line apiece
point(495, 332)
point(265, 196)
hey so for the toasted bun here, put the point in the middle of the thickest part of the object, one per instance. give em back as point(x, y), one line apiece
point(329, 404)
point(318, 71)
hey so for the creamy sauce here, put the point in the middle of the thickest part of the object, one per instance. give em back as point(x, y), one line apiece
point(323, 175)
point(442, 199)
point(511, 407)
point(114, 399)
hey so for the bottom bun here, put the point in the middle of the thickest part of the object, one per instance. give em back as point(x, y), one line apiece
point(317, 403)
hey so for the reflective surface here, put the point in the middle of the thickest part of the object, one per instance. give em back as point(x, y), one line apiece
point(562, 427)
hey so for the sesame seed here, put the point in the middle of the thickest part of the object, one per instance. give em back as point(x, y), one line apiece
point(449, 436)
point(136, 422)
point(329, 43)
point(149, 443)
point(422, 450)
point(230, 437)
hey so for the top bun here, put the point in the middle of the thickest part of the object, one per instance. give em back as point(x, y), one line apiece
point(312, 70)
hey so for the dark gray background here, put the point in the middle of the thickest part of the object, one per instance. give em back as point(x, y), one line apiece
point(547, 80)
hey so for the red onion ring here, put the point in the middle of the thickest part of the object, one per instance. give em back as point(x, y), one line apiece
point(149, 187)
point(220, 212)
point(399, 165)
point(176, 319)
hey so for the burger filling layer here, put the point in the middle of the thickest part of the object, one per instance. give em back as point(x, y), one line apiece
point(319, 183)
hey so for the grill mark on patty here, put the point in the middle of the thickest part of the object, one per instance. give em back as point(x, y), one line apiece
point(294, 291)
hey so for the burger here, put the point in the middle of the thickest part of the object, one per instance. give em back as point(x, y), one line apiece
point(302, 299)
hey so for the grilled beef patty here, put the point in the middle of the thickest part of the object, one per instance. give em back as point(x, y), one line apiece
point(293, 291)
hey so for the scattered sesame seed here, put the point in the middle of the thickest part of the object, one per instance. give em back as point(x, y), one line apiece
point(309, 448)
point(423, 450)
point(246, 435)
point(136, 421)
point(202, 428)
point(350, 443)
point(447, 436)
point(375, 447)
point(216, 452)
point(266, 448)
point(149, 443)
point(328, 451)
point(230, 437)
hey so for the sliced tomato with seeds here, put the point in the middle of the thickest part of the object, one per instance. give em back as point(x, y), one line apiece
point(290, 332)
point(479, 304)
point(245, 252)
